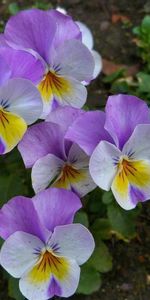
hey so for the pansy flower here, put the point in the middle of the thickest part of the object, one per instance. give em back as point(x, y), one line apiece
point(42, 248)
point(120, 161)
point(67, 60)
point(20, 105)
point(54, 160)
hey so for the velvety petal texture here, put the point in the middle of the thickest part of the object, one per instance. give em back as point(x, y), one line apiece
point(88, 130)
point(43, 138)
point(20, 105)
point(23, 64)
point(122, 116)
point(56, 207)
point(5, 72)
point(31, 29)
point(63, 23)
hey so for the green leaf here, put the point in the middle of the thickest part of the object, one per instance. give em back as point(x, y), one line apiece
point(13, 289)
point(13, 8)
point(101, 229)
point(107, 197)
point(95, 204)
point(146, 23)
point(90, 280)
point(82, 218)
point(123, 222)
point(144, 82)
point(101, 259)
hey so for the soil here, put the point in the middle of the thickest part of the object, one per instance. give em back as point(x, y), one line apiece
point(130, 277)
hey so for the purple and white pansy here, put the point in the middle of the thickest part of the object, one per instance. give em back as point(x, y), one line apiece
point(42, 247)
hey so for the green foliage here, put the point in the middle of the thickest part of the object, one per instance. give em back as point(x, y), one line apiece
point(90, 280)
point(13, 8)
point(13, 289)
point(82, 218)
point(143, 34)
point(123, 223)
point(101, 259)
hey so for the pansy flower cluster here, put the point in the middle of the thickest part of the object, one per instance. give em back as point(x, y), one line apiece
point(46, 62)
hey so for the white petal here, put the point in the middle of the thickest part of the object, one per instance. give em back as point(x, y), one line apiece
point(102, 164)
point(75, 97)
point(138, 145)
point(87, 37)
point(18, 253)
point(45, 170)
point(98, 63)
point(75, 242)
point(23, 99)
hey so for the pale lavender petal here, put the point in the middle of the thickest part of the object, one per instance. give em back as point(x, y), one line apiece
point(23, 64)
point(31, 29)
point(64, 116)
point(87, 37)
point(123, 114)
point(67, 29)
point(88, 130)
point(22, 98)
point(5, 71)
point(56, 207)
point(98, 63)
point(74, 242)
point(74, 59)
point(19, 214)
point(19, 253)
point(45, 170)
point(42, 138)
point(103, 164)
point(138, 145)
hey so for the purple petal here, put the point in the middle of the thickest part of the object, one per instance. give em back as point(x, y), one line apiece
point(136, 195)
point(5, 71)
point(42, 138)
point(31, 29)
point(88, 130)
point(2, 147)
point(2, 41)
point(19, 214)
point(56, 207)
point(64, 22)
point(74, 59)
point(123, 113)
point(64, 116)
point(23, 64)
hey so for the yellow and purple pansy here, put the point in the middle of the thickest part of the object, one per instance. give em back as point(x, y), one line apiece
point(119, 148)
point(67, 61)
point(20, 105)
point(55, 161)
point(42, 247)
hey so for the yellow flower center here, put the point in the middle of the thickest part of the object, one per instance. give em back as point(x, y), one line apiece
point(53, 85)
point(49, 264)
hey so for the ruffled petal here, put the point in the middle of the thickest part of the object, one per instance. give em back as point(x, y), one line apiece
point(31, 29)
point(19, 214)
point(103, 164)
point(18, 253)
point(42, 138)
point(88, 130)
point(20, 97)
point(74, 242)
point(122, 116)
point(55, 201)
point(63, 23)
point(45, 171)
point(74, 59)
point(23, 64)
